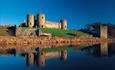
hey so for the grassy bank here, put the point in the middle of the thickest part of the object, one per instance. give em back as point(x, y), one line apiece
point(66, 33)
point(81, 34)
point(69, 33)
point(60, 32)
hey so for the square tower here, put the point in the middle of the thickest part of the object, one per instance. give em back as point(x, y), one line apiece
point(104, 31)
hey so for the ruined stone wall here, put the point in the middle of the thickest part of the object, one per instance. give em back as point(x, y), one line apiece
point(26, 31)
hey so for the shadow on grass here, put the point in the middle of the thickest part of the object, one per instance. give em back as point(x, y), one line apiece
point(71, 34)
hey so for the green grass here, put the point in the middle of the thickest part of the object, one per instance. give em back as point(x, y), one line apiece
point(55, 32)
point(61, 48)
point(60, 32)
point(66, 33)
point(81, 34)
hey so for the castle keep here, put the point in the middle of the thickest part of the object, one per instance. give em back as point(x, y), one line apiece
point(41, 22)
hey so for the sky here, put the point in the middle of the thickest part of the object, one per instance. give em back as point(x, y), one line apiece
point(77, 12)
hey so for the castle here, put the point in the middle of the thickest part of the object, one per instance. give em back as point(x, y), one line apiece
point(41, 22)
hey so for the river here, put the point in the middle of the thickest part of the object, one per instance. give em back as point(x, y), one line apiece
point(68, 57)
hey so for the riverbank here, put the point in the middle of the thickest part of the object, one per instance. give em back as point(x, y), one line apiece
point(11, 40)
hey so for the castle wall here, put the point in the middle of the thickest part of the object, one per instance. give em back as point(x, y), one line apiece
point(52, 25)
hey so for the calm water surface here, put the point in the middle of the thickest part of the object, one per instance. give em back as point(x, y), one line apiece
point(95, 57)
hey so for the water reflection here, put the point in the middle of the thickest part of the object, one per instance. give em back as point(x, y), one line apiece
point(39, 57)
point(70, 56)
point(103, 49)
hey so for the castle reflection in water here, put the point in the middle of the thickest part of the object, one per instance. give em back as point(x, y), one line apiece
point(39, 56)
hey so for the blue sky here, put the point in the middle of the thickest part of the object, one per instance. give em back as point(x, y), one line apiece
point(77, 12)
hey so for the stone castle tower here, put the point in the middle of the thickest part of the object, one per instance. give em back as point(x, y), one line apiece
point(30, 20)
point(41, 20)
point(103, 31)
point(63, 24)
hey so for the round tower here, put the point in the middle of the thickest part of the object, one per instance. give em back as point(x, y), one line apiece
point(30, 20)
point(41, 20)
point(63, 24)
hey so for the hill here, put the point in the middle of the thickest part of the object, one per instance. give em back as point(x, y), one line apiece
point(60, 32)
